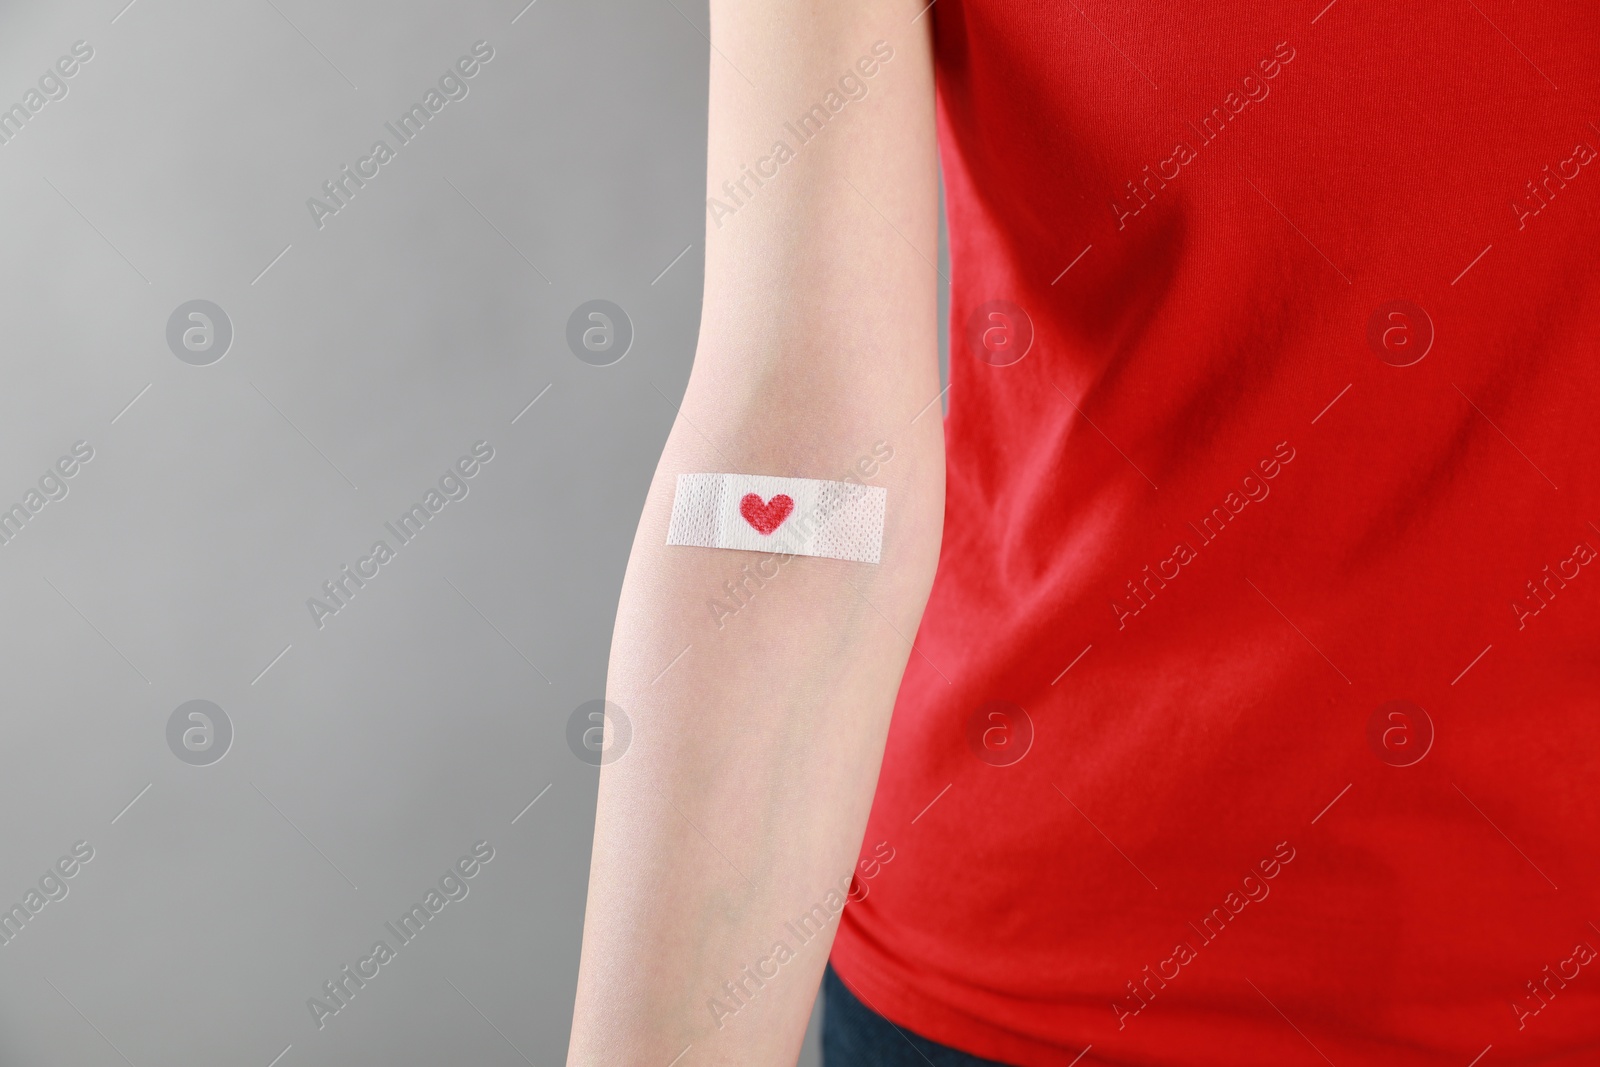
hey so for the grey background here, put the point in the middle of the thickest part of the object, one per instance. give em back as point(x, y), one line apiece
point(368, 355)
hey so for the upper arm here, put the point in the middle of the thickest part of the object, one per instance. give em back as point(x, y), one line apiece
point(821, 222)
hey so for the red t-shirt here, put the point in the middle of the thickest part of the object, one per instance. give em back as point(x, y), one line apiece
point(1270, 545)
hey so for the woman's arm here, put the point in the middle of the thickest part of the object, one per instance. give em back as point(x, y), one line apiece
point(743, 797)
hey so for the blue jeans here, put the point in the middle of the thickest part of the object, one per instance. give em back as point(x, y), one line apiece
point(853, 1035)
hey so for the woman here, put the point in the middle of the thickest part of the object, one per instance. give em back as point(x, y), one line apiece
point(1250, 720)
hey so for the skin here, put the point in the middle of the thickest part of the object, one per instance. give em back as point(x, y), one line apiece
point(742, 799)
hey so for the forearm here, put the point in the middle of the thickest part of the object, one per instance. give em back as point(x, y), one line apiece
point(741, 801)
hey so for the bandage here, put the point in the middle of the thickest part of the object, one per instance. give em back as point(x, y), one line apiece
point(763, 513)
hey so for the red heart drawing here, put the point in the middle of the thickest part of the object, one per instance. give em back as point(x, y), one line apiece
point(765, 517)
